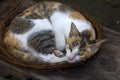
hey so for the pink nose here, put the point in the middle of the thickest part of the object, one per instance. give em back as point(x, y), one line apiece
point(72, 56)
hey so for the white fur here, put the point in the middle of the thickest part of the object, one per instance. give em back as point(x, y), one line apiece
point(39, 25)
point(61, 24)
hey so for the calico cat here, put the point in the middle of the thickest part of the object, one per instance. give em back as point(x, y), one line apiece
point(54, 32)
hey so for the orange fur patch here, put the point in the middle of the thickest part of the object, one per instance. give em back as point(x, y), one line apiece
point(21, 55)
point(11, 40)
point(28, 12)
point(76, 15)
point(92, 34)
point(26, 56)
point(39, 11)
point(72, 39)
point(15, 45)
point(54, 5)
point(88, 55)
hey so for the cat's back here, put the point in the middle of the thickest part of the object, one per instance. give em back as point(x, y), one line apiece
point(25, 34)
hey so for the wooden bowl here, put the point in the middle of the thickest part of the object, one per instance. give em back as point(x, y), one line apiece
point(17, 7)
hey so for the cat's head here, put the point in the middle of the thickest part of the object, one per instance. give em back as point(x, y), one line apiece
point(81, 45)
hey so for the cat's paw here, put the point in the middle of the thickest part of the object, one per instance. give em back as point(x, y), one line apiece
point(58, 53)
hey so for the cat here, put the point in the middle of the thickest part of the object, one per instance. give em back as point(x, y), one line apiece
point(54, 32)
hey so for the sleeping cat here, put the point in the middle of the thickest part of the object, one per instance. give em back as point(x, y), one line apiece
point(54, 32)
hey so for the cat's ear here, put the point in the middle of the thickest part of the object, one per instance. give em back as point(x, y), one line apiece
point(74, 31)
point(95, 47)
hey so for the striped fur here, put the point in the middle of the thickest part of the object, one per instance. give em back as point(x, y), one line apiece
point(42, 42)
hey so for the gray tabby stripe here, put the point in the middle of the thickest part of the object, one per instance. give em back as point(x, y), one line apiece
point(43, 42)
point(20, 25)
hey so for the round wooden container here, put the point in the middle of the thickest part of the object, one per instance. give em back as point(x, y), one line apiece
point(7, 14)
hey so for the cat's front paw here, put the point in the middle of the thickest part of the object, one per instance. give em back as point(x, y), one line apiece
point(58, 53)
